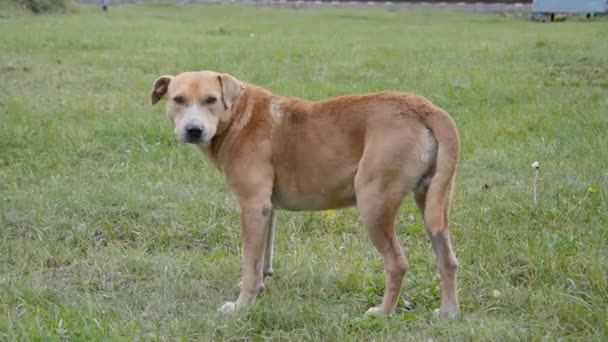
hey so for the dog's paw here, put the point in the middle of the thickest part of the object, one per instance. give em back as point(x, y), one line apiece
point(446, 313)
point(376, 311)
point(227, 308)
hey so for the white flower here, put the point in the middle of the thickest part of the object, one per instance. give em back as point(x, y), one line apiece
point(536, 165)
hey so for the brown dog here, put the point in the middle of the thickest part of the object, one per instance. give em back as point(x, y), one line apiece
point(284, 153)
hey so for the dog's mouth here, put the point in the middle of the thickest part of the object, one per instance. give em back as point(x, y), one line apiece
point(193, 141)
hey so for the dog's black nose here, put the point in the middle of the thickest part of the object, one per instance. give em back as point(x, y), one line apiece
point(194, 133)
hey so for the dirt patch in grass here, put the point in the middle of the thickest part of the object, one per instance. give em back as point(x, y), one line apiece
point(576, 75)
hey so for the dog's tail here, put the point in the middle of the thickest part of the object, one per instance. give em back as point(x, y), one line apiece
point(439, 192)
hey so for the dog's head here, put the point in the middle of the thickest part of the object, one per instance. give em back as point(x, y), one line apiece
point(198, 103)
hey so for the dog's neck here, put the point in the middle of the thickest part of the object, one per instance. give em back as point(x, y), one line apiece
point(241, 114)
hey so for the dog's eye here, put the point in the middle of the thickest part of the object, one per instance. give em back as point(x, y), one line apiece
point(179, 100)
point(210, 100)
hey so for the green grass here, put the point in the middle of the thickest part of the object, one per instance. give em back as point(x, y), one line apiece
point(111, 229)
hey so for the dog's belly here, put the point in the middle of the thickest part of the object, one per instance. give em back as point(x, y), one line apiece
point(309, 193)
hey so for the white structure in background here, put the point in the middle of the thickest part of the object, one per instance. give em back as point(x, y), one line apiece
point(545, 9)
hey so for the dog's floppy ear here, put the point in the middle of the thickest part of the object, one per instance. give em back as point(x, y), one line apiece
point(232, 89)
point(160, 87)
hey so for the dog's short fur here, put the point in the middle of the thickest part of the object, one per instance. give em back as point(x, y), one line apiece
point(284, 153)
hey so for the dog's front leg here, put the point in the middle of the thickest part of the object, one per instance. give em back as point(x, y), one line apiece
point(255, 217)
point(269, 250)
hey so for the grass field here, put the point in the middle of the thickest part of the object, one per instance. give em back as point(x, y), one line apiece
point(111, 229)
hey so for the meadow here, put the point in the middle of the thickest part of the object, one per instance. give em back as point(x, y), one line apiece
point(112, 230)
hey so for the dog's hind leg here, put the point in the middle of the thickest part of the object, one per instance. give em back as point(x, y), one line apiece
point(389, 169)
point(378, 207)
point(379, 219)
point(434, 203)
